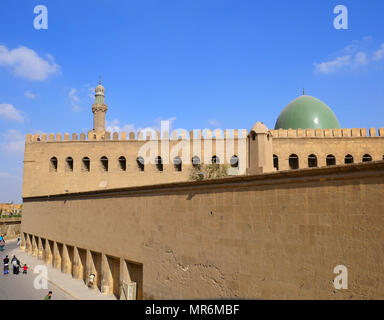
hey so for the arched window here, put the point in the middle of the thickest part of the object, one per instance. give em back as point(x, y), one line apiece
point(234, 161)
point(348, 159)
point(293, 161)
point(276, 162)
point(69, 164)
point(53, 164)
point(331, 160)
point(215, 160)
point(140, 163)
point(122, 163)
point(104, 163)
point(85, 164)
point(312, 161)
point(367, 158)
point(159, 163)
point(195, 161)
point(177, 163)
point(253, 135)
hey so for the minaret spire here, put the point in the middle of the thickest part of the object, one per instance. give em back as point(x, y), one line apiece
point(303, 91)
point(99, 109)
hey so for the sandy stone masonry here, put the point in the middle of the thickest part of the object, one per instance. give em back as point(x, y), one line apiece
point(104, 160)
point(81, 263)
point(10, 227)
point(327, 133)
point(92, 206)
point(40, 149)
point(271, 236)
point(334, 143)
point(260, 150)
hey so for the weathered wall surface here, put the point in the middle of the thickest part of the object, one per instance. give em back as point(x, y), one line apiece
point(38, 179)
point(321, 147)
point(270, 236)
point(10, 228)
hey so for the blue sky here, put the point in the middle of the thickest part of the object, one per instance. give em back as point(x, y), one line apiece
point(202, 63)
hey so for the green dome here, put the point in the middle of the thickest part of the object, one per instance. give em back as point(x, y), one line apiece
point(307, 112)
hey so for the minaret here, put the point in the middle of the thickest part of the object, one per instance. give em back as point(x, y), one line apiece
point(99, 108)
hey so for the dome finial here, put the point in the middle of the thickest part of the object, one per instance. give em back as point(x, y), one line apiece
point(303, 91)
point(99, 79)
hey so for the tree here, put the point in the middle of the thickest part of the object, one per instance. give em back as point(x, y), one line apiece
point(208, 171)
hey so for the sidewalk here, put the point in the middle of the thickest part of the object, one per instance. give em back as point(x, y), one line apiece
point(75, 288)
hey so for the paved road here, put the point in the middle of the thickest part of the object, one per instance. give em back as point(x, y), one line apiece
point(20, 287)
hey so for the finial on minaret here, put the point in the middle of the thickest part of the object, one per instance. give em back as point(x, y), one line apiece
point(99, 79)
point(303, 91)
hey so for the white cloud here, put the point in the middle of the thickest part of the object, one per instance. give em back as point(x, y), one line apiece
point(379, 54)
point(26, 63)
point(91, 93)
point(29, 94)
point(80, 98)
point(343, 63)
point(9, 112)
point(4, 174)
point(214, 123)
point(14, 142)
point(333, 65)
point(360, 59)
point(74, 99)
point(351, 57)
point(114, 126)
point(157, 126)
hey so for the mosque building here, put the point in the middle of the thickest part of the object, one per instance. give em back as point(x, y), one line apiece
point(298, 200)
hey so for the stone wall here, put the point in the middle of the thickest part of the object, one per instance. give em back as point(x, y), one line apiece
point(10, 227)
point(40, 179)
point(270, 236)
point(322, 147)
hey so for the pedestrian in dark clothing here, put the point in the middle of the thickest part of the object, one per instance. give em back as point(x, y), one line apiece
point(14, 264)
point(6, 262)
point(17, 267)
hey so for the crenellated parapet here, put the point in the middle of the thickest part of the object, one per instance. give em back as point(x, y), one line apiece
point(206, 134)
point(202, 134)
point(327, 133)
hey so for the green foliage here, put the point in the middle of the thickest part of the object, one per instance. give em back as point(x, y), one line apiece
point(14, 216)
point(208, 171)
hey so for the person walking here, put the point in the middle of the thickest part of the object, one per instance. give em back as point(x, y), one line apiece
point(25, 268)
point(14, 264)
point(17, 266)
point(48, 296)
point(2, 244)
point(6, 261)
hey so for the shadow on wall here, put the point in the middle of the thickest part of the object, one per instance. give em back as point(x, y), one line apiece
point(109, 274)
